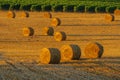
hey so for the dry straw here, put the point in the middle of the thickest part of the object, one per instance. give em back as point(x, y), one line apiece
point(47, 15)
point(11, 14)
point(70, 52)
point(48, 31)
point(93, 50)
point(50, 56)
point(28, 31)
point(60, 36)
point(109, 17)
point(24, 14)
point(55, 22)
point(117, 12)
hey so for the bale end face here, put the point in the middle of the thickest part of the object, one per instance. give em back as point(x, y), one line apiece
point(60, 36)
point(24, 15)
point(11, 14)
point(93, 50)
point(48, 31)
point(109, 17)
point(47, 15)
point(55, 22)
point(28, 31)
point(50, 56)
point(70, 52)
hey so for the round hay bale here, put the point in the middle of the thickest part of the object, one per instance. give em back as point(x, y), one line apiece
point(24, 14)
point(109, 17)
point(28, 31)
point(60, 36)
point(11, 14)
point(48, 31)
point(50, 56)
point(93, 50)
point(55, 22)
point(70, 52)
point(117, 12)
point(47, 15)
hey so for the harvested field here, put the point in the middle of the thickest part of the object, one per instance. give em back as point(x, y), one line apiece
point(19, 55)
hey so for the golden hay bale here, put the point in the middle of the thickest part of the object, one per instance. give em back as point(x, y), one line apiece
point(109, 17)
point(11, 14)
point(55, 22)
point(117, 12)
point(93, 50)
point(50, 56)
point(48, 31)
point(24, 14)
point(60, 36)
point(28, 31)
point(47, 15)
point(70, 52)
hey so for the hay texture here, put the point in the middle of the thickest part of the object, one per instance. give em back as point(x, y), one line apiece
point(11, 14)
point(24, 14)
point(117, 12)
point(50, 56)
point(28, 31)
point(70, 52)
point(55, 22)
point(60, 36)
point(47, 15)
point(109, 17)
point(48, 31)
point(93, 50)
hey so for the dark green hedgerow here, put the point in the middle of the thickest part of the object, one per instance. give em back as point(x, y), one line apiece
point(79, 8)
point(118, 7)
point(100, 9)
point(68, 8)
point(36, 8)
point(61, 5)
point(5, 6)
point(90, 9)
point(25, 7)
point(14, 7)
point(110, 9)
point(46, 8)
point(57, 8)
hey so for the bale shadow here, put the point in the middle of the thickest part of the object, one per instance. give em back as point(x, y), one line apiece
point(82, 25)
point(95, 60)
point(117, 20)
point(90, 39)
point(91, 35)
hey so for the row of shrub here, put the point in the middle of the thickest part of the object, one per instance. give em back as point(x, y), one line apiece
point(60, 8)
point(61, 5)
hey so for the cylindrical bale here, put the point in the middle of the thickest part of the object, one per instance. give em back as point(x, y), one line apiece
point(94, 50)
point(70, 52)
point(117, 12)
point(28, 31)
point(47, 15)
point(60, 36)
point(55, 22)
point(11, 14)
point(48, 31)
point(24, 14)
point(109, 17)
point(50, 56)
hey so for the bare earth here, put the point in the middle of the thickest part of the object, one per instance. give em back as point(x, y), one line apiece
point(19, 55)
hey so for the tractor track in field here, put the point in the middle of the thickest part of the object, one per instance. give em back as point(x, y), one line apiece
point(82, 69)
